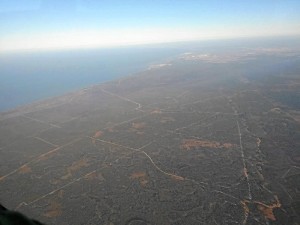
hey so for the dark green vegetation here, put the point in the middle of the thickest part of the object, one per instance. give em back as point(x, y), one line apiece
point(204, 139)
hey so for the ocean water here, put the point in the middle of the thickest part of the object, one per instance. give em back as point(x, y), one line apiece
point(30, 76)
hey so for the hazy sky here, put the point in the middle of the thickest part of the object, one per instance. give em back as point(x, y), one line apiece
point(51, 24)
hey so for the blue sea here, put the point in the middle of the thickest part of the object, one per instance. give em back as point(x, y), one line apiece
point(30, 76)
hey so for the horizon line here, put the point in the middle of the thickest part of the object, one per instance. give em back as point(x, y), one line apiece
point(125, 45)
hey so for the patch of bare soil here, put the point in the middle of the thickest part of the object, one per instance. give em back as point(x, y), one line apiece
point(75, 167)
point(53, 210)
point(189, 144)
point(141, 177)
point(25, 169)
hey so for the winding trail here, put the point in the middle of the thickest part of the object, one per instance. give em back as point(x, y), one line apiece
point(139, 106)
point(137, 150)
point(93, 171)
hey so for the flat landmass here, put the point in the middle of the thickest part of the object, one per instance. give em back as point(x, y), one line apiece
point(206, 138)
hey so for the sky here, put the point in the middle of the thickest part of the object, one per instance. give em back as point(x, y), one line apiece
point(63, 24)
